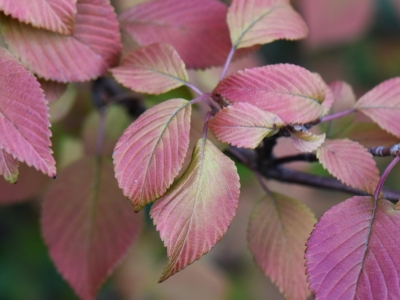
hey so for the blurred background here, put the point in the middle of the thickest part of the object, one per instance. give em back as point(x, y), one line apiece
point(357, 41)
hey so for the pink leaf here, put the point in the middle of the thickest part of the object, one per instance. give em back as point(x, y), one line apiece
point(53, 15)
point(150, 153)
point(244, 125)
point(8, 167)
point(24, 120)
point(289, 91)
point(353, 251)
point(278, 230)
point(87, 224)
point(52, 90)
point(196, 212)
point(94, 46)
point(253, 22)
point(306, 141)
point(334, 22)
point(154, 69)
point(349, 162)
point(382, 105)
point(196, 29)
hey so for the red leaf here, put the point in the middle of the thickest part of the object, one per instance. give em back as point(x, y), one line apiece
point(52, 90)
point(24, 120)
point(244, 125)
point(349, 162)
point(289, 91)
point(8, 167)
point(88, 53)
point(154, 69)
point(278, 230)
point(306, 141)
point(53, 15)
point(87, 224)
point(150, 153)
point(353, 251)
point(196, 29)
point(196, 212)
point(253, 22)
point(382, 105)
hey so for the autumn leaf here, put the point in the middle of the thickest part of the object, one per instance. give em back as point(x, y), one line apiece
point(278, 230)
point(153, 69)
point(351, 253)
point(244, 125)
point(253, 22)
point(87, 224)
point(196, 211)
point(53, 90)
point(291, 92)
point(8, 167)
point(53, 15)
point(306, 141)
point(349, 162)
point(93, 47)
point(150, 153)
point(382, 105)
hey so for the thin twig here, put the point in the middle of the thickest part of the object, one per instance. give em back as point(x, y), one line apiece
point(337, 115)
point(227, 63)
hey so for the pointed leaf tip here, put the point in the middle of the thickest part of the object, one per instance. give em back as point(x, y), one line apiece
point(151, 151)
point(196, 211)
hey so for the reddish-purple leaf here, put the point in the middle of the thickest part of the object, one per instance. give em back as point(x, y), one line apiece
point(8, 167)
point(53, 15)
point(94, 46)
point(150, 153)
point(253, 22)
point(306, 141)
point(153, 69)
point(353, 251)
point(244, 125)
point(195, 213)
point(382, 105)
point(196, 29)
point(52, 89)
point(24, 120)
point(289, 91)
point(278, 230)
point(349, 162)
point(87, 224)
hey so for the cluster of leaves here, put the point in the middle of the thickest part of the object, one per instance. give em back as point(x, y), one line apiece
point(68, 41)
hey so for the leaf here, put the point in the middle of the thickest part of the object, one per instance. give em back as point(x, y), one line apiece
point(196, 29)
point(154, 69)
point(244, 125)
point(306, 141)
point(151, 151)
point(24, 120)
point(352, 252)
point(349, 162)
point(289, 91)
point(382, 105)
point(59, 109)
point(87, 224)
point(196, 212)
point(94, 46)
point(8, 167)
point(253, 22)
point(278, 230)
point(52, 90)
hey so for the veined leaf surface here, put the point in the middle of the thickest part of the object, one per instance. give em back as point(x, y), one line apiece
point(289, 91)
point(153, 69)
point(278, 230)
point(352, 252)
point(382, 105)
point(151, 151)
point(87, 224)
point(53, 15)
point(8, 167)
point(306, 141)
point(253, 22)
point(196, 211)
point(93, 48)
point(24, 119)
point(349, 162)
point(244, 125)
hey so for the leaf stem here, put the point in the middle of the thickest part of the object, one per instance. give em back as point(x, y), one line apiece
point(385, 175)
point(101, 130)
point(194, 88)
point(227, 62)
point(205, 128)
point(337, 115)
